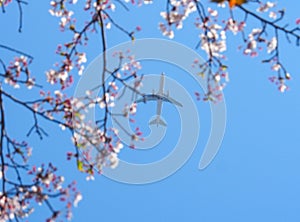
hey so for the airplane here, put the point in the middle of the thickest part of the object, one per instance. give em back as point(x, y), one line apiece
point(160, 97)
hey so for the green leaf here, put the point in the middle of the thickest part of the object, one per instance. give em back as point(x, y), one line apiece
point(80, 165)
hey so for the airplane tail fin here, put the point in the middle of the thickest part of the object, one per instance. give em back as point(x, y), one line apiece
point(158, 121)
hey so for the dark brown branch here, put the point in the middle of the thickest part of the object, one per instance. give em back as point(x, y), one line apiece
point(16, 51)
point(2, 135)
point(273, 24)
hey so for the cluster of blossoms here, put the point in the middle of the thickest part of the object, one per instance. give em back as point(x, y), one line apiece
point(216, 81)
point(217, 84)
point(71, 60)
point(129, 65)
point(178, 12)
point(11, 207)
point(58, 9)
point(279, 80)
point(46, 184)
point(254, 38)
point(213, 37)
point(18, 197)
point(17, 73)
point(71, 57)
point(258, 39)
point(265, 7)
point(17, 150)
point(234, 26)
point(99, 144)
point(213, 42)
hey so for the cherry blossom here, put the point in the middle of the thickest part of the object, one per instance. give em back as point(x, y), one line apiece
point(272, 44)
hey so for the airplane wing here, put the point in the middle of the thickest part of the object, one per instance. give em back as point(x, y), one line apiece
point(155, 97)
point(171, 100)
point(148, 97)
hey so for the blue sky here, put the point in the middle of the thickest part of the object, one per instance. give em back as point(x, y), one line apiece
point(254, 177)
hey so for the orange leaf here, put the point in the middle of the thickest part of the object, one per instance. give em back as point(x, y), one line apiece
point(233, 3)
